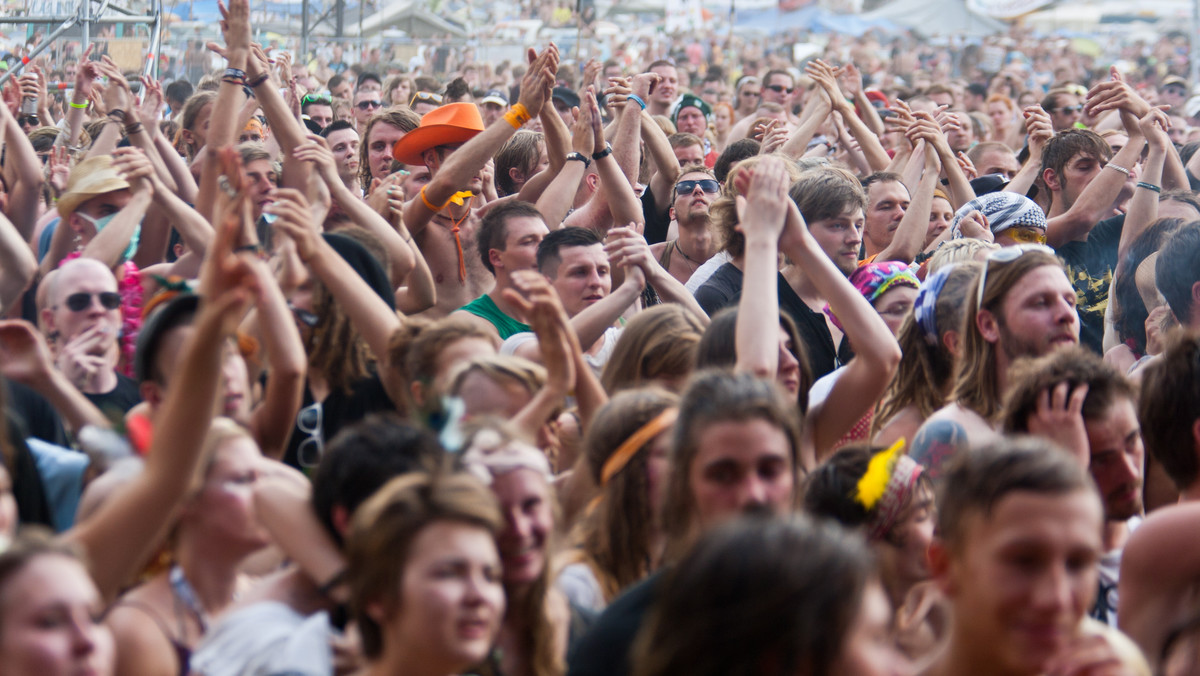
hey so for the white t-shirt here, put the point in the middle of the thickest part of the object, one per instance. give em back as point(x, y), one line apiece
point(266, 639)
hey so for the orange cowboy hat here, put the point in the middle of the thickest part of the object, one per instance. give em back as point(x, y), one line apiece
point(447, 125)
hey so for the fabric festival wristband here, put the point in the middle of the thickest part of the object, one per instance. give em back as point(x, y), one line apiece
point(253, 84)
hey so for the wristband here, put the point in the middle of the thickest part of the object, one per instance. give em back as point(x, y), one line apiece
point(1121, 169)
point(81, 106)
point(133, 128)
point(517, 116)
point(579, 156)
point(427, 203)
point(117, 114)
point(603, 153)
point(1149, 186)
point(637, 99)
point(236, 73)
point(263, 77)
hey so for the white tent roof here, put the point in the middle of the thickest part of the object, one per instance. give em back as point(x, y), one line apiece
point(937, 17)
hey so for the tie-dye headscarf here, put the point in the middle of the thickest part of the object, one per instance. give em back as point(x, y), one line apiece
point(873, 280)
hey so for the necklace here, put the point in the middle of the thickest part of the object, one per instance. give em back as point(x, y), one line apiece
point(695, 263)
point(186, 595)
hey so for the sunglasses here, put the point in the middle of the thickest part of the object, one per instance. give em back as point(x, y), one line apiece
point(327, 99)
point(780, 89)
point(1027, 235)
point(1070, 109)
point(28, 120)
point(1005, 256)
point(708, 185)
point(367, 105)
point(78, 302)
point(425, 97)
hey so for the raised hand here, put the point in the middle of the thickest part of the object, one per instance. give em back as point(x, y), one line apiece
point(24, 356)
point(316, 150)
point(644, 83)
point(151, 107)
point(538, 83)
point(133, 166)
point(1040, 128)
point(1113, 95)
point(295, 221)
point(617, 93)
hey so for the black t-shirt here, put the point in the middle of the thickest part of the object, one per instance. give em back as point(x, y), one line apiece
point(724, 289)
point(340, 409)
point(37, 416)
point(657, 223)
point(1090, 266)
point(27, 488)
point(604, 649)
point(120, 399)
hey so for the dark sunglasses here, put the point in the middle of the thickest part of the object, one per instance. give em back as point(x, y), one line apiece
point(28, 120)
point(780, 89)
point(1070, 109)
point(367, 105)
point(326, 99)
point(78, 302)
point(708, 185)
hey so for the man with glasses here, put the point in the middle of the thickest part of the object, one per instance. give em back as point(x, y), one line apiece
point(1022, 306)
point(695, 191)
point(317, 108)
point(1065, 108)
point(778, 86)
point(366, 104)
point(83, 322)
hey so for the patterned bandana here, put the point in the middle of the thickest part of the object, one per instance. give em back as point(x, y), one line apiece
point(873, 280)
point(925, 309)
point(1004, 210)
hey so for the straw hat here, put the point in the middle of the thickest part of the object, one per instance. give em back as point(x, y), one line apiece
point(90, 178)
point(447, 125)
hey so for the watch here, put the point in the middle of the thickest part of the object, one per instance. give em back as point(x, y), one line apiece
point(603, 153)
point(579, 156)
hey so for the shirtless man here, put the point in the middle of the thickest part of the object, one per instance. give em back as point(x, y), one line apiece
point(1026, 309)
point(454, 145)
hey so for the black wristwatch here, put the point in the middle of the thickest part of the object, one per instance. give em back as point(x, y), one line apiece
point(579, 156)
point(603, 153)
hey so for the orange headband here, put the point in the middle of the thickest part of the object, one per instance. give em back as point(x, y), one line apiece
point(634, 443)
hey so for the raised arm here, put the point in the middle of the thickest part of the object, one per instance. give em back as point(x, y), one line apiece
point(1037, 122)
point(852, 84)
point(559, 345)
point(316, 151)
point(463, 163)
point(909, 238)
point(17, 265)
point(824, 75)
point(109, 245)
point(762, 217)
point(222, 131)
point(368, 312)
point(1143, 207)
point(287, 365)
point(558, 197)
point(615, 188)
point(23, 171)
point(876, 352)
point(627, 247)
point(25, 358)
point(811, 119)
point(121, 535)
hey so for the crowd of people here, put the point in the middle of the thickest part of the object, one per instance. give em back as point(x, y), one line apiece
point(680, 366)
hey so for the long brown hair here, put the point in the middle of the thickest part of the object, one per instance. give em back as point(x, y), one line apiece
point(976, 380)
point(614, 539)
point(335, 348)
point(927, 368)
point(658, 344)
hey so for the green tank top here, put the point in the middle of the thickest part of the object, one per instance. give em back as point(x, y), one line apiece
point(485, 307)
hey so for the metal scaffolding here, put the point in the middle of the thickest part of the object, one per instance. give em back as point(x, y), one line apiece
point(86, 16)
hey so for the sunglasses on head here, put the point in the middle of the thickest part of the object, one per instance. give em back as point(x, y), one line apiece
point(78, 302)
point(1004, 256)
point(780, 89)
point(367, 105)
point(426, 97)
point(708, 185)
point(327, 99)
point(1070, 109)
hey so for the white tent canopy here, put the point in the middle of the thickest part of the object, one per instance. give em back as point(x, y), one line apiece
point(937, 17)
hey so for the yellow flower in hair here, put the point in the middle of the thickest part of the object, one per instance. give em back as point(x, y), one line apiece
point(873, 484)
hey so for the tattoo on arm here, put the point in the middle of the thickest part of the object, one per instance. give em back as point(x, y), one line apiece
point(936, 442)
